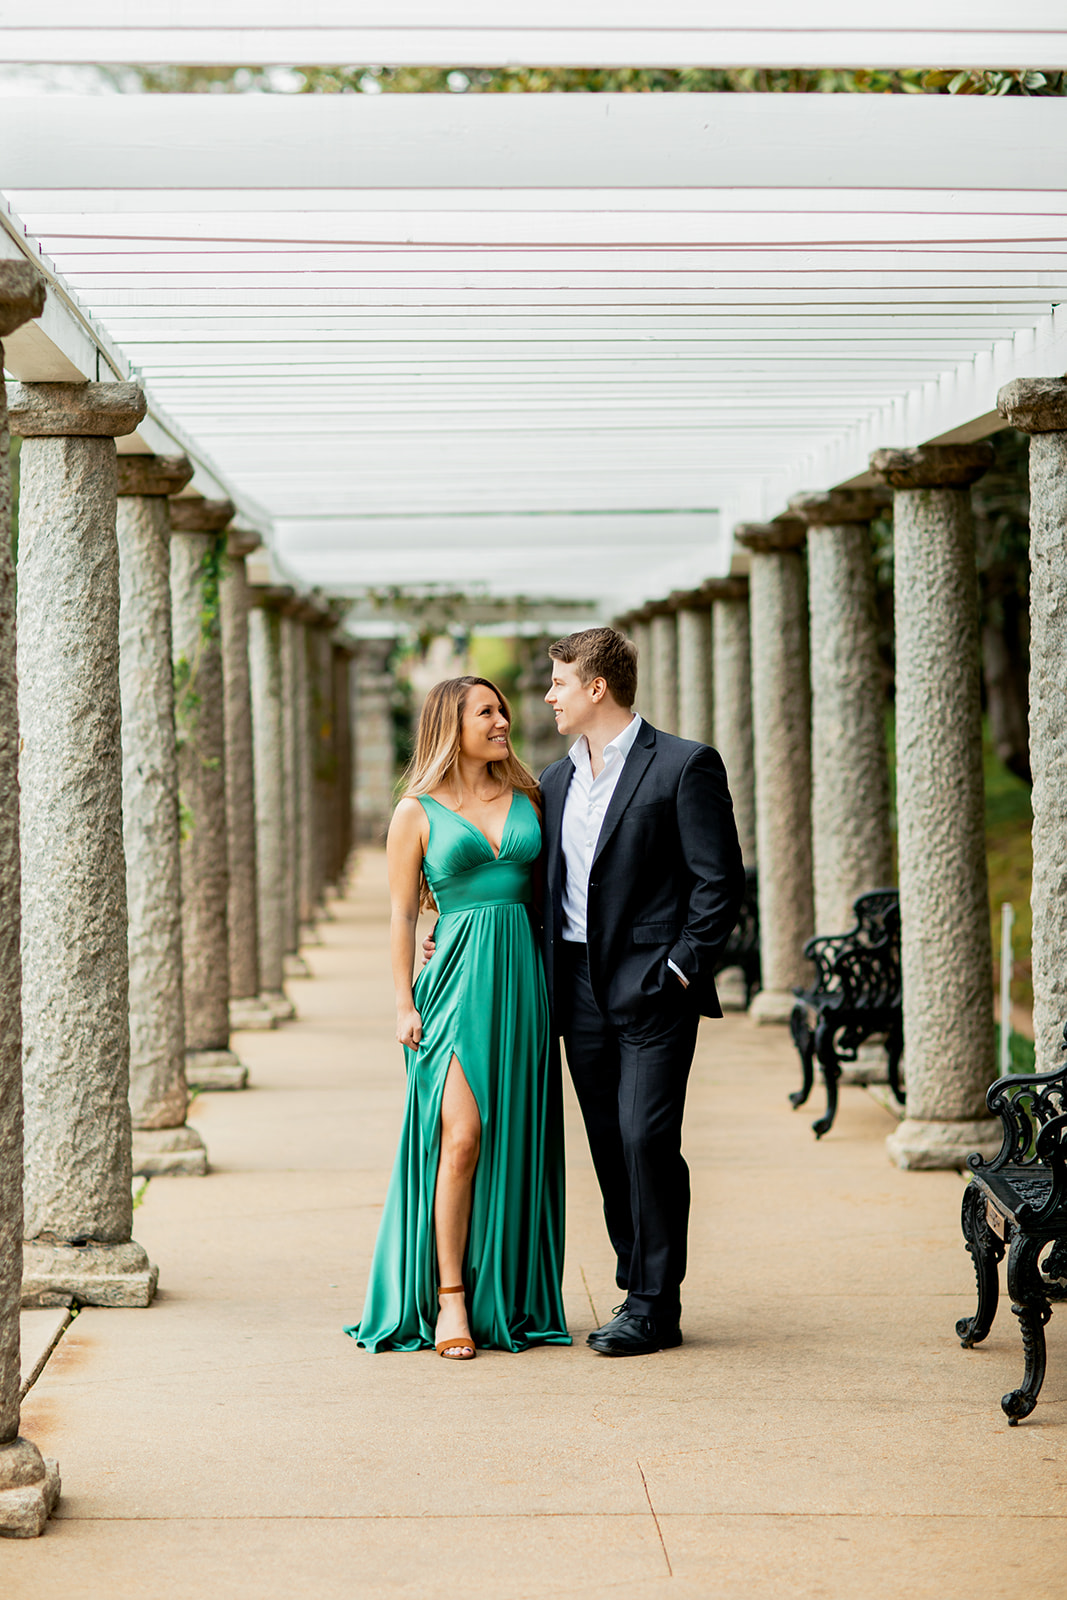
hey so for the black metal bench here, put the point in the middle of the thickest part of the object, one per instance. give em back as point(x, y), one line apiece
point(1018, 1202)
point(742, 947)
point(856, 993)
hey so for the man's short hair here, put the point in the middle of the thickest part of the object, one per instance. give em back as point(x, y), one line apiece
point(602, 653)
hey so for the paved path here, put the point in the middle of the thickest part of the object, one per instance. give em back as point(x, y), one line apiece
point(819, 1434)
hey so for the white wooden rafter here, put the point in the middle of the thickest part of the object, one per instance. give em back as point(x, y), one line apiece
point(524, 373)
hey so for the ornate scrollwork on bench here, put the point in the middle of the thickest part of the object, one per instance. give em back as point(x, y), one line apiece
point(1018, 1202)
point(856, 993)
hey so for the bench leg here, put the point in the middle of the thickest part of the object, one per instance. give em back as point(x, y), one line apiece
point(985, 1250)
point(804, 1040)
point(1030, 1304)
point(831, 1072)
point(894, 1048)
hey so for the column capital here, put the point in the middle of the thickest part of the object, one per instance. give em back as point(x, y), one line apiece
point(301, 608)
point(78, 410)
point(22, 295)
point(270, 596)
point(725, 588)
point(768, 538)
point(1035, 405)
point(153, 475)
point(194, 514)
point(836, 508)
point(241, 542)
point(933, 466)
point(688, 600)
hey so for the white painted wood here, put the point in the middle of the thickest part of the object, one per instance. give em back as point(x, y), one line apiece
point(773, 34)
point(594, 383)
point(210, 15)
point(519, 141)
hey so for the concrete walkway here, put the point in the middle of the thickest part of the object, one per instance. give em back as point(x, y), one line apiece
point(820, 1433)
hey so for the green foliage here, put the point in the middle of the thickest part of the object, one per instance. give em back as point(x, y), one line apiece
point(578, 80)
point(1010, 861)
point(496, 659)
point(1021, 1054)
point(188, 700)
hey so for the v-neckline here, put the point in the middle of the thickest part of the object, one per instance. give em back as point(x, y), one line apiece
point(496, 854)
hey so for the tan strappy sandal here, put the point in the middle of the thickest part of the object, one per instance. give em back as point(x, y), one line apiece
point(446, 1345)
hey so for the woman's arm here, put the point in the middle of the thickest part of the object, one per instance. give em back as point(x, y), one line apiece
point(404, 851)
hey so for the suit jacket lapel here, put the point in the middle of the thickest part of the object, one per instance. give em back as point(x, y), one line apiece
point(637, 762)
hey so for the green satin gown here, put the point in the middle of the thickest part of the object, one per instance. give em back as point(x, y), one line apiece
point(482, 999)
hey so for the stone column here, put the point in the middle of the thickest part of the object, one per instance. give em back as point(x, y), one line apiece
point(731, 679)
point(375, 747)
point(29, 1485)
point(781, 723)
point(292, 653)
point(75, 962)
point(322, 757)
point(1038, 406)
point(198, 549)
point(694, 671)
point(536, 725)
point(247, 1008)
point(641, 634)
point(272, 831)
point(302, 613)
point(663, 638)
point(272, 823)
point(342, 720)
point(851, 846)
point(163, 1142)
point(946, 950)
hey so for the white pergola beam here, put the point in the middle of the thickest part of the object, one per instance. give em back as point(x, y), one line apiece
point(553, 33)
point(520, 141)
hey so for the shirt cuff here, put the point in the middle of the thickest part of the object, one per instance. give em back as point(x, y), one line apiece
point(678, 973)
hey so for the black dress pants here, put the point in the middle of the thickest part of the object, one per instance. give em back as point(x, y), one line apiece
point(630, 1080)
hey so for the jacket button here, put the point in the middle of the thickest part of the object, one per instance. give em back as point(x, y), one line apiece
point(594, 884)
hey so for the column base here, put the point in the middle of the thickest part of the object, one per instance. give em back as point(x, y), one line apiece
point(93, 1274)
point(870, 1066)
point(294, 966)
point(29, 1489)
point(730, 987)
point(251, 1014)
point(280, 1004)
point(309, 933)
point(941, 1146)
point(772, 1006)
point(168, 1153)
point(214, 1069)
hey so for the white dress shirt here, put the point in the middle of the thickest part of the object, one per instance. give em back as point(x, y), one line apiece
point(584, 810)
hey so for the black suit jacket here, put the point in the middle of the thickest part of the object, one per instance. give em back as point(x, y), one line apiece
point(666, 879)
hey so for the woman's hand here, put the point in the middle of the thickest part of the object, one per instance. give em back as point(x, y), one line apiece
point(428, 948)
point(409, 1028)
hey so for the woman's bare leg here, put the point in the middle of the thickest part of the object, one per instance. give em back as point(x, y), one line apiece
point(461, 1134)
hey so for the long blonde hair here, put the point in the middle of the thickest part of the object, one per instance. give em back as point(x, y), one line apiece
point(435, 763)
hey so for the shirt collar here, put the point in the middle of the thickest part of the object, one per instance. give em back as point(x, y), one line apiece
point(616, 749)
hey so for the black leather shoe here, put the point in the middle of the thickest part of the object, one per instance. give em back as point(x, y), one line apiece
point(631, 1335)
point(618, 1315)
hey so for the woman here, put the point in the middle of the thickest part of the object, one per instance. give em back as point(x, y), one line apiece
point(470, 1247)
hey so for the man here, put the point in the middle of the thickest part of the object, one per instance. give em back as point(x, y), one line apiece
point(643, 886)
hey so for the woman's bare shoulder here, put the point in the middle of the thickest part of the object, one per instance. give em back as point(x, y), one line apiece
point(409, 817)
